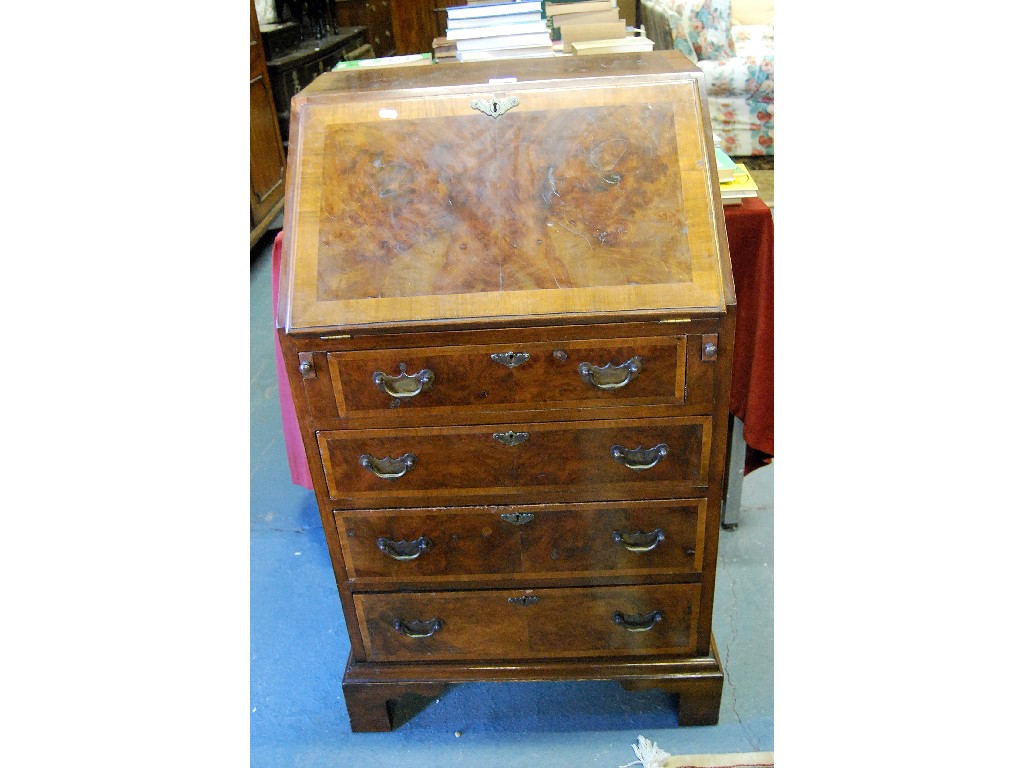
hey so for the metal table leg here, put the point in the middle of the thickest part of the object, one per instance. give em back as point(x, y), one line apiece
point(734, 475)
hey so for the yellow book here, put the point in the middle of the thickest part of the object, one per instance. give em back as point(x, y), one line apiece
point(629, 44)
point(742, 185)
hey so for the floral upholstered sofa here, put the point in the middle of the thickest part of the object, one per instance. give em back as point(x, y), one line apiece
point(733, 42)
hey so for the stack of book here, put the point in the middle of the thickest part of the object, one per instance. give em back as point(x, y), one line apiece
point(741, 186)
point(734, 180)
point(482, 31)
point(592, 26)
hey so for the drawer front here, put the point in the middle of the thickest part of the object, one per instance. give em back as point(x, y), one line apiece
point(569, 373)
point(551, 461)
point(527, 624)
point(453, 544)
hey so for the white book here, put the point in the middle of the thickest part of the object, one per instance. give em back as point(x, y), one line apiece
point(622, 45)
point(530, 27)
point(494, 9)
point(487, 21)
point(504, 41)
point(534, 52)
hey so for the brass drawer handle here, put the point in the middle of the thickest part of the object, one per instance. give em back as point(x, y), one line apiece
point(517, 518)
point(637, 622)
point(418, 629)
point(404, 384)
point(524, 600)
point(610, 376)
point(404, 550)
point(511, 438)
point(639, 458)
point(639, 541)
point(510, 359)
point(388, 468)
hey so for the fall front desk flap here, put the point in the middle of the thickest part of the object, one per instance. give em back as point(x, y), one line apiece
point(502, 191)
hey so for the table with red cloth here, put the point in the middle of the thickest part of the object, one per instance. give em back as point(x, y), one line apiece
point(751, 233)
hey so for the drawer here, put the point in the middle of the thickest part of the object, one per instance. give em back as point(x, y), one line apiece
point(459, 543)
point(564, 374)
point(551, 461)
point(527, 624)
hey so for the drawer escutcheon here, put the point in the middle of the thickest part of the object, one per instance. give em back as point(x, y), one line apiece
point(517, 518)
point(511, 438)
point(510, 359)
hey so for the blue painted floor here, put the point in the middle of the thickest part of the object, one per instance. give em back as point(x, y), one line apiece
point(299, 644)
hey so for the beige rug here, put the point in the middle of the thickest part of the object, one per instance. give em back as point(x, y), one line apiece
point(734, 760)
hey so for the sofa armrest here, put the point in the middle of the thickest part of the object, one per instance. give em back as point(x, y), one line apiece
point(748, 76)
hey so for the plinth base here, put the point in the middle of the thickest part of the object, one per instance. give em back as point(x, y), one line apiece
point(371, 690)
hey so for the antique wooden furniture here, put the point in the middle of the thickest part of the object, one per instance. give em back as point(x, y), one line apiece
point(266, 152)
point(375, 15)
point(292, 71)
point(507, 315)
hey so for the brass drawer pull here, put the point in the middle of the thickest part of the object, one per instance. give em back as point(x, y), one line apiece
point(404, 384)
point(610, 376)
point(636, 622)
point(517, 518)
point(511, 438)
point(639, 541)
point(639, 458)
point(418, 629)
point(388, 468)
point(524, 600)
point(404, 550)
point(510, 359)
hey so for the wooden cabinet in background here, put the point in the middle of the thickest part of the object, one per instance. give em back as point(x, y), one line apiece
point(375, 15)
point(266, 153)
point(292, 71)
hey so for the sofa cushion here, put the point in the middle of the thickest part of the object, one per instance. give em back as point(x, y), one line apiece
point(753, 39)
point(704, 23)
point(709, 31)
point(753, 11)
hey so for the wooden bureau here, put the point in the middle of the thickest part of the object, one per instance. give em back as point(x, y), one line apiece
point(507, 316)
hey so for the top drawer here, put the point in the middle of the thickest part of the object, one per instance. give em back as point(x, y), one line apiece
point(502, 377)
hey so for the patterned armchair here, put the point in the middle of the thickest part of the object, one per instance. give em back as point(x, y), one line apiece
point(738, 60)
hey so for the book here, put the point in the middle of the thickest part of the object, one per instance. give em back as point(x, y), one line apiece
point(588, 17)
point(742, 185)
point(605, 30)
point(726, 165)
point(629, 44)
point(443, 48)
point(506, 53)
point(408, 60)
point(492, 21)
point(504, 41)
point(580, 6)
point(493, 9)
point(519, 28)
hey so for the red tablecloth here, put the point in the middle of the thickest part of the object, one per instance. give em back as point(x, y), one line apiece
point(751, 232)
